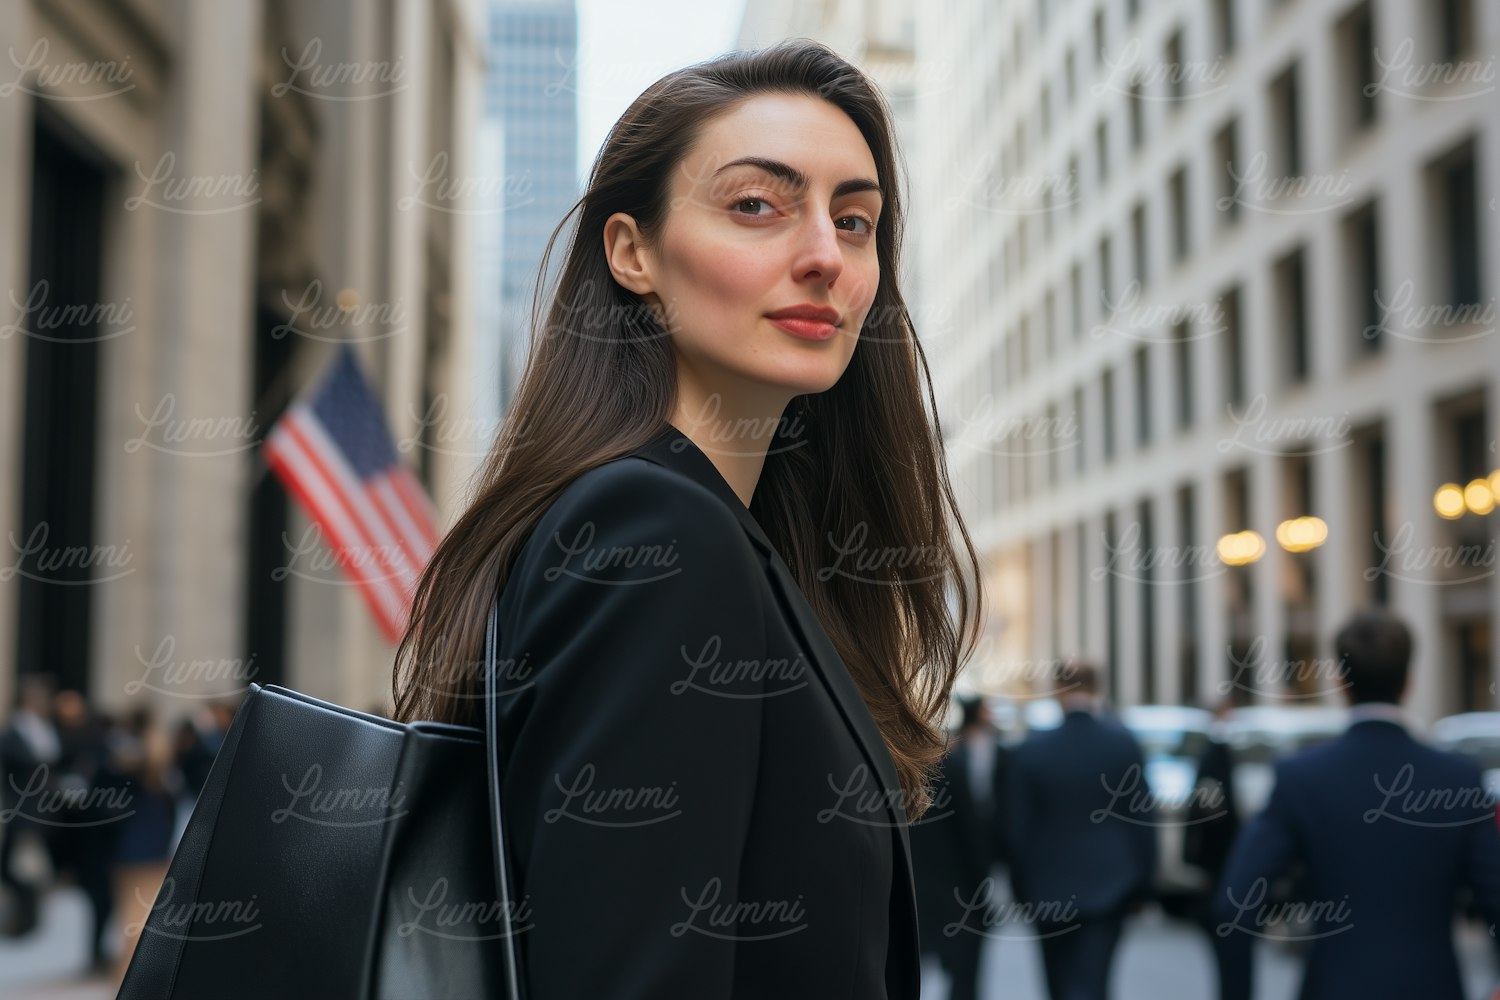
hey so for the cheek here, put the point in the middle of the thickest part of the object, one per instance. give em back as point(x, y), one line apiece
point(719, 279)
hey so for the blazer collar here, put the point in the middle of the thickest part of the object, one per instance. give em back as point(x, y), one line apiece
point(674, 450)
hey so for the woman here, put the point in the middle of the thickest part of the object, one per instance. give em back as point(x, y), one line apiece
point(719, 519)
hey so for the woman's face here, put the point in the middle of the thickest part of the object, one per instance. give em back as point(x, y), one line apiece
point(745, 241)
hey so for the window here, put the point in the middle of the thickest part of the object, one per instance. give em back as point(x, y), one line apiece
point(1070, 79)
point(1101, 153)
point(1107, 414)
point(1075, 300)
point(1106, 278)
point(1049, 324)
point(1371, 456)
point(1177, 200)
point(1285, 110)
point(1044, 103)
point(1075, 183)
point(1142, 365)
point(1457, 31)
point(1135, 102)
point(1147, 610)
point(1182, 369)
point(1226, 166)
point(1356, 35)
point(1233, 350)
point(1138, 242)
point(1098, 39)
point(1453, 184)
point(1078, 425)
point(1224, 24)
point(1187, 663)
point(1291, 290)
point(1081, 536)
point(1172, 57)
point(1362, 255)
point(1052, 444)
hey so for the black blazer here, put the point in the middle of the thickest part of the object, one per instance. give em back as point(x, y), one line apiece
point(698, 801)
point(1081, 824)
point(1386, 831)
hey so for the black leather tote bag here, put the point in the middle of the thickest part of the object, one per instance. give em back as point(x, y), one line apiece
point(334, 853)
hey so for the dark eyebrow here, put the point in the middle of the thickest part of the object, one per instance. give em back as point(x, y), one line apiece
point(797, 179)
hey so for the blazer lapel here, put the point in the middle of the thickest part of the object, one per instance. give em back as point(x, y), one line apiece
point(675, 450)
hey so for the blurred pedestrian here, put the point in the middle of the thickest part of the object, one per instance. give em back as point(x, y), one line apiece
point(955, 847)
point(1082, 839)
point(84, 839)
point(1385, 830)
point(1212, 824)
point(29, 752)
point(141, 752)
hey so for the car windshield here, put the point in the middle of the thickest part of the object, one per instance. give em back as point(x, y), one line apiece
point(1482, 750)
point(1162, 742)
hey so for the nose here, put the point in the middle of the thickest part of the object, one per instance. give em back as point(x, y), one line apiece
point(819, 256)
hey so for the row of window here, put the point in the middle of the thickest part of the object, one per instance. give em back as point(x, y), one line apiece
point(1276, 172)
point(1373, 305)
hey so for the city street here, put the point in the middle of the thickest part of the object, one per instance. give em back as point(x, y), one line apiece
point(1159, 959)
point(48, 963)
point(1165, 959)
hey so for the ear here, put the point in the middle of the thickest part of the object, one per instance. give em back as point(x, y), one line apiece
point(626, 255)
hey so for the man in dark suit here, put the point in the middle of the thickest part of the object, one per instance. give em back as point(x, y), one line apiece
point(955, 846)
point(1082, 836)
point(1386, 830)
point(29, 752)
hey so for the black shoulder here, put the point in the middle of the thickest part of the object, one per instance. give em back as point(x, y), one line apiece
point(631, 502)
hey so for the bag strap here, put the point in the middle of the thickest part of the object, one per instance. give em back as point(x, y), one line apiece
point(492, 746)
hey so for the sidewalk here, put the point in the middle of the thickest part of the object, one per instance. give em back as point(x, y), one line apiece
point(47, 964)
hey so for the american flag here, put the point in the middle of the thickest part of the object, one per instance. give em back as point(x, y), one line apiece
point(333, 452)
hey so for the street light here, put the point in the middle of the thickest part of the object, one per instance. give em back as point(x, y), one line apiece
point(1478, 496)
point(1301, 534)
point(1448, 501)
point(1241, 548)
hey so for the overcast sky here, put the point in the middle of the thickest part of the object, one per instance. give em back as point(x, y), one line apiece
point(626, 47)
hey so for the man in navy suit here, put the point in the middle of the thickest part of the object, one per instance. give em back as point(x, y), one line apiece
point(1082, 836)
point(955, 846)
point(1386, 832)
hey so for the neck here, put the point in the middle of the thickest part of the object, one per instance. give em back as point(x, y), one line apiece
point(734, 438)
point(1075, 702)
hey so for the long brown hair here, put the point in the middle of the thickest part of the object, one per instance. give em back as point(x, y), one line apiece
point(867, 462)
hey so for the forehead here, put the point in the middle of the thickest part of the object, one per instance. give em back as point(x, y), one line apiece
point(806, 132)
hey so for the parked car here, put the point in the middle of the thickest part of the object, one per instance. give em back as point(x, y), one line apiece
point(1259, 735)
point(1172, 738)
point(1475, 735)
point(1015, 718)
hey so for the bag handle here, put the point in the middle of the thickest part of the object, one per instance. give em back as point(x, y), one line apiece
point(492, 748)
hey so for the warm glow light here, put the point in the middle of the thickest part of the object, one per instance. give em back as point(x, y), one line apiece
point(1495, 482)
point(1301, 534)
point(1448, 501)
point(1241, 548)
point(347, 300)
point(1478, 496)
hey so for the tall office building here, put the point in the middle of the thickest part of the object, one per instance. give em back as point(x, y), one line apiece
point(1214, 267)
point(532, 90)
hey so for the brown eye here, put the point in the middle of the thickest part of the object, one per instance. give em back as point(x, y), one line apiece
point(758, 202)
